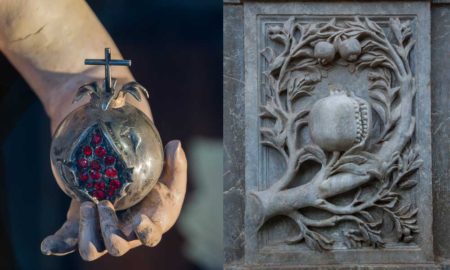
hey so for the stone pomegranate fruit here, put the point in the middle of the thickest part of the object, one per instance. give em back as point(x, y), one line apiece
point(349, 49)
point(339, 121)
point(107, 149)
point(324, 52)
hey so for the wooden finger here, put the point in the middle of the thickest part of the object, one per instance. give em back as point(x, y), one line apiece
point(113, 238)
point(90, 243)
point(148, 232)
point(65, 240)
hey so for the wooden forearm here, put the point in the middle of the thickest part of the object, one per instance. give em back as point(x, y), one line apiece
point(47, 41)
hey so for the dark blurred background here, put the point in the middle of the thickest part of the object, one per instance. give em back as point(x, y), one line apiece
point(176, 49)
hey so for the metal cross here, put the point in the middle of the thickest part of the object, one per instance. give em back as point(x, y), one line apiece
point(107, 62)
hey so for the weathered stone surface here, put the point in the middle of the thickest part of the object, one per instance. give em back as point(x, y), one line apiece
point(233, 133)
point(440, 109)
point(441, 1)
point(342, 267)
point(232, 2)
point(264, 247)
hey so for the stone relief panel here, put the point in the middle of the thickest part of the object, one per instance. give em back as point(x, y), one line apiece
point(341, 162)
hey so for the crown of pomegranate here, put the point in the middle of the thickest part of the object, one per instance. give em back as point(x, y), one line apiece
point(106, 94)
point(104, 97)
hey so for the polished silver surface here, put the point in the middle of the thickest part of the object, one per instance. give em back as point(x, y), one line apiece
point(125, 135)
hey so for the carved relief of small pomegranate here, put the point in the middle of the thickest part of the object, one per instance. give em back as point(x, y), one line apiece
point(339, 121)
point(349, 49)
point(324, 52)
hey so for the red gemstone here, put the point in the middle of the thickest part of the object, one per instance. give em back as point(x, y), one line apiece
point(109, 160)
point(83, 163)
point(96, 138)
point(87, 150)
point(99, 194)
point(84, 176)
point(115, 183)
point(95, 165)
point(99, 186)
point(95, 175)
point(111, 172)
point(100, 151)
point(111, 191)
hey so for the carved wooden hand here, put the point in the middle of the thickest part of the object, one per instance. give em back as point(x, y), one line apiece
point(96, 234)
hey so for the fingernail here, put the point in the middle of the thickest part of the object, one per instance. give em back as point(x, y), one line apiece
point(172, 148)
point(44, 248)
point(45, 251)
point(178, 142)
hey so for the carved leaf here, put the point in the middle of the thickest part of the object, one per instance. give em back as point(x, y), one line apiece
point(396, 28)
point(275, 135)
point(373, 26)
point(348, 159)
point(304, 52)
point(349, 168)
point(303, 64)
point(409, 162)
point(409, 46)
point(390, 202)
point(382, 97)
point(316, 152)
point(367, 216)
point(289, 25)
point(276, 64)
point(271, 110)
point(408, 184)
point(356, 23)
point(268, 54)
point(363, 236)
point(299, 86)
point(317, 241)
point(405, 222)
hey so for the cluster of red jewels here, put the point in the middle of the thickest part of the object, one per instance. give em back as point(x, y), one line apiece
point(99, 169)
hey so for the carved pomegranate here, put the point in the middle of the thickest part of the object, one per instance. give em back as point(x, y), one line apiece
point(349, 49)
point(324, 52)
point(107, 149)
point(339, 121)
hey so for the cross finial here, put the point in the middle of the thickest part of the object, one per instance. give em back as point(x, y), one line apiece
point(107, 62)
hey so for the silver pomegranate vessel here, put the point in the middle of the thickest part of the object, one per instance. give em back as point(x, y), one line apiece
point(339, 121)
point(107, 149)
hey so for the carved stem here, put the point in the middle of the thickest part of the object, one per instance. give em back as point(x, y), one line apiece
point(269, 203)
point(332, 221)
point(288, 175)
point(293, 155)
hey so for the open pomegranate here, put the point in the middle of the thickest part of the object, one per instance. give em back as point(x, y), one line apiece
point(340, 121)
point(107, 149)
